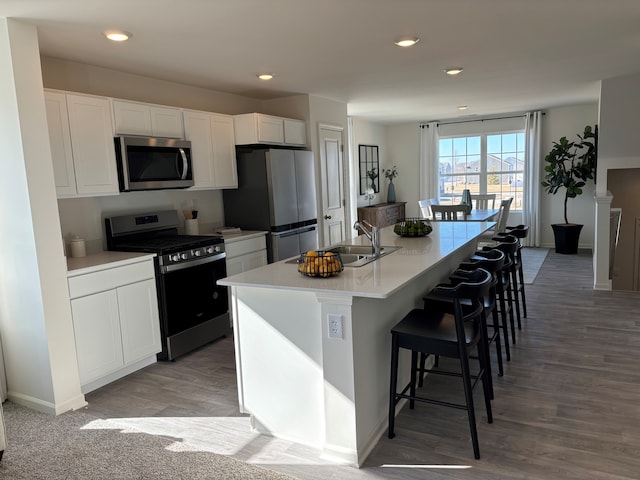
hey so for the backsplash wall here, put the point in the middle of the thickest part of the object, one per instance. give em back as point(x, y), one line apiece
point(84, 217)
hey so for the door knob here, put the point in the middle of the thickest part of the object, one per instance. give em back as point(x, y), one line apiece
point(327, 217)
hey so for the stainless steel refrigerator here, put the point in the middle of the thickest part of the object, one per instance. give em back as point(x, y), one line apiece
point(277, 193)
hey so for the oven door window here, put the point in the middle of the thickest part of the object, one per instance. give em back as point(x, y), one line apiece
point(192, 296)
point(158, 164)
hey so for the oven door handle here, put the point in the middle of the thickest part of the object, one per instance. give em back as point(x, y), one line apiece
point(192, 263)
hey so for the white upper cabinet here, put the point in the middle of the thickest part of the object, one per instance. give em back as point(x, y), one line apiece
point(295, 132)
point(60, 139)
point(81, 137)
point(135, 118)
point(255, 128)
point(213, 151)
point(92, 144)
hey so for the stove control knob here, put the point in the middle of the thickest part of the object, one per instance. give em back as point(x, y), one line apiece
point(174, 257)
point(197, 253)
point(209, 250)
point(217, 249)
point(184, 256)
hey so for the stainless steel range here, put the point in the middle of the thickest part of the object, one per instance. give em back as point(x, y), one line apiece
point(194, 310)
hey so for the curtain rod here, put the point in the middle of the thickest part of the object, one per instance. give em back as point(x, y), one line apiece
point(426, 124)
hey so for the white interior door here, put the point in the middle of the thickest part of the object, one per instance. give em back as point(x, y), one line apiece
point(332, 179)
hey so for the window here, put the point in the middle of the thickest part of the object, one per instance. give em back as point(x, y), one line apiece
point(485, 163)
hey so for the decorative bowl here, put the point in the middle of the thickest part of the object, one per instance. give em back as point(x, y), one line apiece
point(318, 263)
point(413, 227)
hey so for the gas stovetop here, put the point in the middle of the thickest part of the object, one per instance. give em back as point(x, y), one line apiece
point(165, 244)
point(157, 232)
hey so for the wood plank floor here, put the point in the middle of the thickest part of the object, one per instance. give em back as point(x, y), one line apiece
point(568, 406)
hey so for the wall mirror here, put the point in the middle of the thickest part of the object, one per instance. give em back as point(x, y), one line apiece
point(369, 168)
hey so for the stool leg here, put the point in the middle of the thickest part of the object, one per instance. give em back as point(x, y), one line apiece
point(505, 325)
point(412, 389)
point(393, 385)
point(522, 294)
point(496, 330)
point(468, 393)
point(483, 350)
point(514, 288)
point(487, 389)
point(511, 317)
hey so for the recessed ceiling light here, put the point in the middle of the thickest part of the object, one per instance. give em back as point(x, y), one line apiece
point(407, 41)
point(266, 76)
point(453, 71)
point(463, 107)
point(117, 35)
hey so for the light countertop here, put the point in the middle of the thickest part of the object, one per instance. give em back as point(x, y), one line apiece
point(99, 261)
point(378, 279)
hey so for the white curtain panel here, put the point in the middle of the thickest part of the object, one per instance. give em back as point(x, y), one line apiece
point(429, 161)
point(533, 161)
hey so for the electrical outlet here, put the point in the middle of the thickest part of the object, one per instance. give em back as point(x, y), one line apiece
point(335, 326)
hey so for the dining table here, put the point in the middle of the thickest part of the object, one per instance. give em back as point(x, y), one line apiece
point(482, 215)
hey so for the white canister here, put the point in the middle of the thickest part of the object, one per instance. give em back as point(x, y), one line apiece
point(191, 226)
point(78, 248)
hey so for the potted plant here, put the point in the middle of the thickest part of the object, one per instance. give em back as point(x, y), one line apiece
point(568, 166)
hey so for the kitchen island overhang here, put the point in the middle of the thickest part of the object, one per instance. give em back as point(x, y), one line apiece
point(300, 384)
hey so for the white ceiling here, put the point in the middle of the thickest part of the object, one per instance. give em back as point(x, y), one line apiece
point(517, 54)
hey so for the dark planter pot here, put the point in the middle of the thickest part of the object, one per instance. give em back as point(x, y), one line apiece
point(567, 236)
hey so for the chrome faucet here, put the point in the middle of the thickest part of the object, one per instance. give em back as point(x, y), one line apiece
point(373, 234)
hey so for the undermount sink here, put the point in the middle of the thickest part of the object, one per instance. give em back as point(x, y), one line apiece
point(359, 255)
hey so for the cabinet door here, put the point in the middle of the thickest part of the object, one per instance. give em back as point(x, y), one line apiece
point(60, 140)
point(254, 260)
point(234, 266)
point(96, 326)
point(139, 320)
point(166, 122)
point(224, 151)
point(92, 145)
point(270, 129)
point(295, 132)
point(131, 118)
point(197, 129)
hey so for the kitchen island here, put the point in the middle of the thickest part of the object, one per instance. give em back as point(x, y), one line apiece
point(301, 383)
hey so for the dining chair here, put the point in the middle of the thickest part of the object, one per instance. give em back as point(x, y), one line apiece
point(449, 212)
point(484, 201)
point(501, 223)
point(425, 206)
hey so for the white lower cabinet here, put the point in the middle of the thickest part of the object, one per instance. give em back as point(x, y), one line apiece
point(116, 323)
point(245, 254)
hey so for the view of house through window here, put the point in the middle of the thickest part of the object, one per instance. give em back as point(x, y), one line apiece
point(486, 163)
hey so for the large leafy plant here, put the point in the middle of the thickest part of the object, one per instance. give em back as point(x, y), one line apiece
point(569, 165)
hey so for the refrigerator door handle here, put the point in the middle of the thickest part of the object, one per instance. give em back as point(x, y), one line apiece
point(294, 231)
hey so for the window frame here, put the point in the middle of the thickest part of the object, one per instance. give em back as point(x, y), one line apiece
point(483, 174)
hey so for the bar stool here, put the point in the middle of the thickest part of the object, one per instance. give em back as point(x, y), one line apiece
point(448, 335)
point(520, 232)
point(492, 261)
point(508, 244)
point(503, 297)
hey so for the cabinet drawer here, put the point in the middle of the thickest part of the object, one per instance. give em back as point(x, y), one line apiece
point(242, 247)
point(394, 214)
point(110, 278)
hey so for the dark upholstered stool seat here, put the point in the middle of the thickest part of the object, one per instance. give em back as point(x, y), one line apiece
point(440, 327)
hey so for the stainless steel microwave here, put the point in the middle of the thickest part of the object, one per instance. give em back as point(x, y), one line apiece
point(151, 163)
